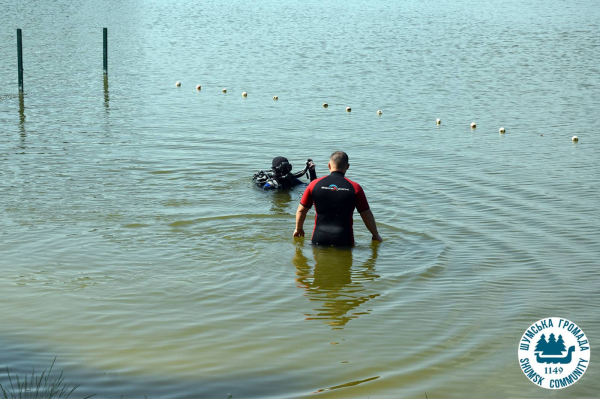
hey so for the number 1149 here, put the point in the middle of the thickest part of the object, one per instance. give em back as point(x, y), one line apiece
point(555, 370)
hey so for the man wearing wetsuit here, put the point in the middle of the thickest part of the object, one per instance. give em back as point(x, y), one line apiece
point(281, 176)
point(283, 172)
point(335, 198)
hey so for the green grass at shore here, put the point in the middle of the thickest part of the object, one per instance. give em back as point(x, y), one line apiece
point(43, 386)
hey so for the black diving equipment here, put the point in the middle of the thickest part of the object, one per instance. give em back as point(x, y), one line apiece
point(280, 175)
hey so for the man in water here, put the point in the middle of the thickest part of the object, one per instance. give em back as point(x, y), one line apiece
point(281, 176)
point(335, 198)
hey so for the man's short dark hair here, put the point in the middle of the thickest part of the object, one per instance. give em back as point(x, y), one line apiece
point(339, 159)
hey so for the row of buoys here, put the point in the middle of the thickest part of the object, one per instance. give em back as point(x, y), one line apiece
point(473, 126)
point(438, 121)
point(502, 130)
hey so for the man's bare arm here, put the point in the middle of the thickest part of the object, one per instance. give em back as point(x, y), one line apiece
point(369, 220)
point(300, 217)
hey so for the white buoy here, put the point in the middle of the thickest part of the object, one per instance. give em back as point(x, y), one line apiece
point(325, 105)
point(473, 125)
point(198, 87)
point(502, 130)
point(178, 83)
point(379, 112)
point(244, 94)
point(438, 121)
point(348, 109)
point(574, 139)
point(224, 90)
point(275, 98)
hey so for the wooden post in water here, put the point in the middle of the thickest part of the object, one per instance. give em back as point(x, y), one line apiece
point(20, 58)
point(105, 46)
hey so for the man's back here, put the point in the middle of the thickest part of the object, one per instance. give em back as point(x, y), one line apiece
point(335, 198)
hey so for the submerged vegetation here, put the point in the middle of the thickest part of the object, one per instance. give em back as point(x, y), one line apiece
point(38, 387)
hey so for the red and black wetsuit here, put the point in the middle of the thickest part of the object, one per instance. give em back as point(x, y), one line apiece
point(335, 198)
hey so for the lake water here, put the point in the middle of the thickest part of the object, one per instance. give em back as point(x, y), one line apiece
point(134, 248)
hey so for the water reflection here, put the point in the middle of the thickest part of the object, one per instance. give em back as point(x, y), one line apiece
point(22, 116)
point(280, 201)
point(336, 287)
point(106, 95)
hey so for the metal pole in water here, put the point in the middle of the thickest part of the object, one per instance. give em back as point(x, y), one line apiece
point(20, 58)
point(105, 46)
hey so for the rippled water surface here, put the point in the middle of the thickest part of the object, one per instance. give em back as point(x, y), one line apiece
point(134, 248)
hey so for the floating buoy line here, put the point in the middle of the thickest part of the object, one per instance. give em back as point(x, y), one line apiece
point(438, 121)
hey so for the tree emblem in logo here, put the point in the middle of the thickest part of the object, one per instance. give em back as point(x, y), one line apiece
point(554, 353)
point(551, 351)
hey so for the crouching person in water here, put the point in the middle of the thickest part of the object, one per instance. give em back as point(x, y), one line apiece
point(335, 198)
point(281, 176)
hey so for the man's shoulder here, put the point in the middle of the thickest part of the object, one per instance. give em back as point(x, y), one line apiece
point(351, 181)
point(356, 186)
point(316, 181)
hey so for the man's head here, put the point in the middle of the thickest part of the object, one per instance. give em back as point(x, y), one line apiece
point(338, 162)
point(281, 166)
